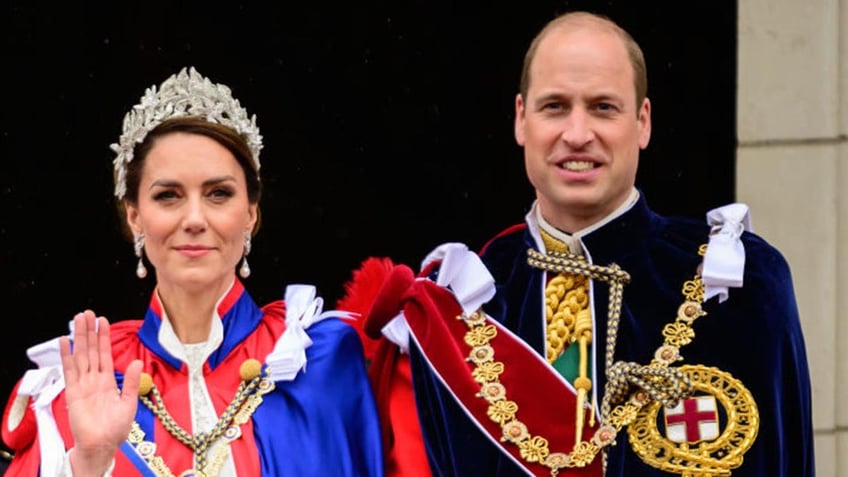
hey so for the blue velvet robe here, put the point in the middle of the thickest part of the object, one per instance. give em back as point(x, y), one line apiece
point(755, 335)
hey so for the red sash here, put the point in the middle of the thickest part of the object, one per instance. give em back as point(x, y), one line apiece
point(546, 404)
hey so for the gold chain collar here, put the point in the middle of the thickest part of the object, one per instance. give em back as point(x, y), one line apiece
point(657, 381)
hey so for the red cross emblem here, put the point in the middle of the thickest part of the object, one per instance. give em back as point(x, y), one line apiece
point(692, 420)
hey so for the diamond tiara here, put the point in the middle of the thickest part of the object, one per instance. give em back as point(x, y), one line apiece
point(187, 93)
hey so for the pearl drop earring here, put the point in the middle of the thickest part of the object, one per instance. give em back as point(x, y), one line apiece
point(138, 245)
point(244, 271)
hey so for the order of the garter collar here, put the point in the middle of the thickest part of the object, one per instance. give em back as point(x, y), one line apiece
point(187, 93)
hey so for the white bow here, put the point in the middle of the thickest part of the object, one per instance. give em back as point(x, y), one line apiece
point(724, 261)
point(43, 385)
point(303, 309)
point(463, 273)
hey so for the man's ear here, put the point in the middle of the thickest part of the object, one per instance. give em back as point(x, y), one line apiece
point(644, 120)
point(519, 119)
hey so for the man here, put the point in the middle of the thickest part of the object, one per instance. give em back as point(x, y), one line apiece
point(615, 341)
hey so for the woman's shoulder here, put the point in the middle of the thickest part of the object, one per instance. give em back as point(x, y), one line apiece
point(123, 330)
point(308, 332)
point(125, 342)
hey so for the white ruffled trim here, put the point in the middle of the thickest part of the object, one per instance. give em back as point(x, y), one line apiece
point(724, 261)
point(303, 309)
point(43, 385)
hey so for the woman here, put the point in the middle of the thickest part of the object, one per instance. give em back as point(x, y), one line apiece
point(208, 383)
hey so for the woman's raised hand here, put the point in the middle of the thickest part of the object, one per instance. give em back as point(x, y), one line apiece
point(100, 414)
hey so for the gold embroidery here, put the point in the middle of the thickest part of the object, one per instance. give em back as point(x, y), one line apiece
point(146, 450)
point(219, 455)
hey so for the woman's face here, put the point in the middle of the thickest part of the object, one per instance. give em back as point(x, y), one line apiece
point(194, 212)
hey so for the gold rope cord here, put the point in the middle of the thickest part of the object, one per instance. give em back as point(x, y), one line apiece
point(566, 303)
point(566, 299)
point(247, 399)
point(568, 321)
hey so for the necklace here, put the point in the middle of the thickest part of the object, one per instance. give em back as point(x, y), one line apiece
point(247, 399)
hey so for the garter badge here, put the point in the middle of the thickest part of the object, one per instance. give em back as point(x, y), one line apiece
point(706, 435)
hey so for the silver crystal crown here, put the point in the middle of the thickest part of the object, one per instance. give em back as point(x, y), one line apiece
point(187, 93)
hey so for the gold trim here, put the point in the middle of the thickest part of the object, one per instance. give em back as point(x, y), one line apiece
point(147, 451)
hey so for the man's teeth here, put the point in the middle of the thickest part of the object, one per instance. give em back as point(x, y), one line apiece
point(578, 166)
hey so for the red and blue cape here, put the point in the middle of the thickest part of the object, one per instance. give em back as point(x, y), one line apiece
point(323, 422)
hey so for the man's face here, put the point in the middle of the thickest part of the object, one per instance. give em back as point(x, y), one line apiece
point(580, 126)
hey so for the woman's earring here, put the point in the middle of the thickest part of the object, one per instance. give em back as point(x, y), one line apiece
point(138, 245)
point(244, 271)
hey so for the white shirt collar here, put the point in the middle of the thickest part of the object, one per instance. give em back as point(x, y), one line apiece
point(169, 341)
point(574, 241)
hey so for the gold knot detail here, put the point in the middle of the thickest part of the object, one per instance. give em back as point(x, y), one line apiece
point(145, 384)
point(251, 368)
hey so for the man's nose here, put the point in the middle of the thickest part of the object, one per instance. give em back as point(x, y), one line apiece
point(577, 129)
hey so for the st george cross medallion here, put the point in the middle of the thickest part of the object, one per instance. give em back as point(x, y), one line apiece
point(706, 435)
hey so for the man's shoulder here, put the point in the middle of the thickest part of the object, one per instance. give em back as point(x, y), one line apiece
point(763, 258)
point(759, 252)
point(766, 273)
point(756, 246)
point(505, 247)
point(506, 238)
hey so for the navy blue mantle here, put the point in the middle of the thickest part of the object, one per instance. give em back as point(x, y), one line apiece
point(755, 335)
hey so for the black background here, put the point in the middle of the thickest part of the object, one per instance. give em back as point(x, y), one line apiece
point(387, 127)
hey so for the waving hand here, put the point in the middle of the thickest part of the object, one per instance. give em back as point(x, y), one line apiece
point(100, 414)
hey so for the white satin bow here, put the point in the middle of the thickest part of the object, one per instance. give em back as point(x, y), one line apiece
point(303, 309)
point(463, 273)
point(724, 261)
